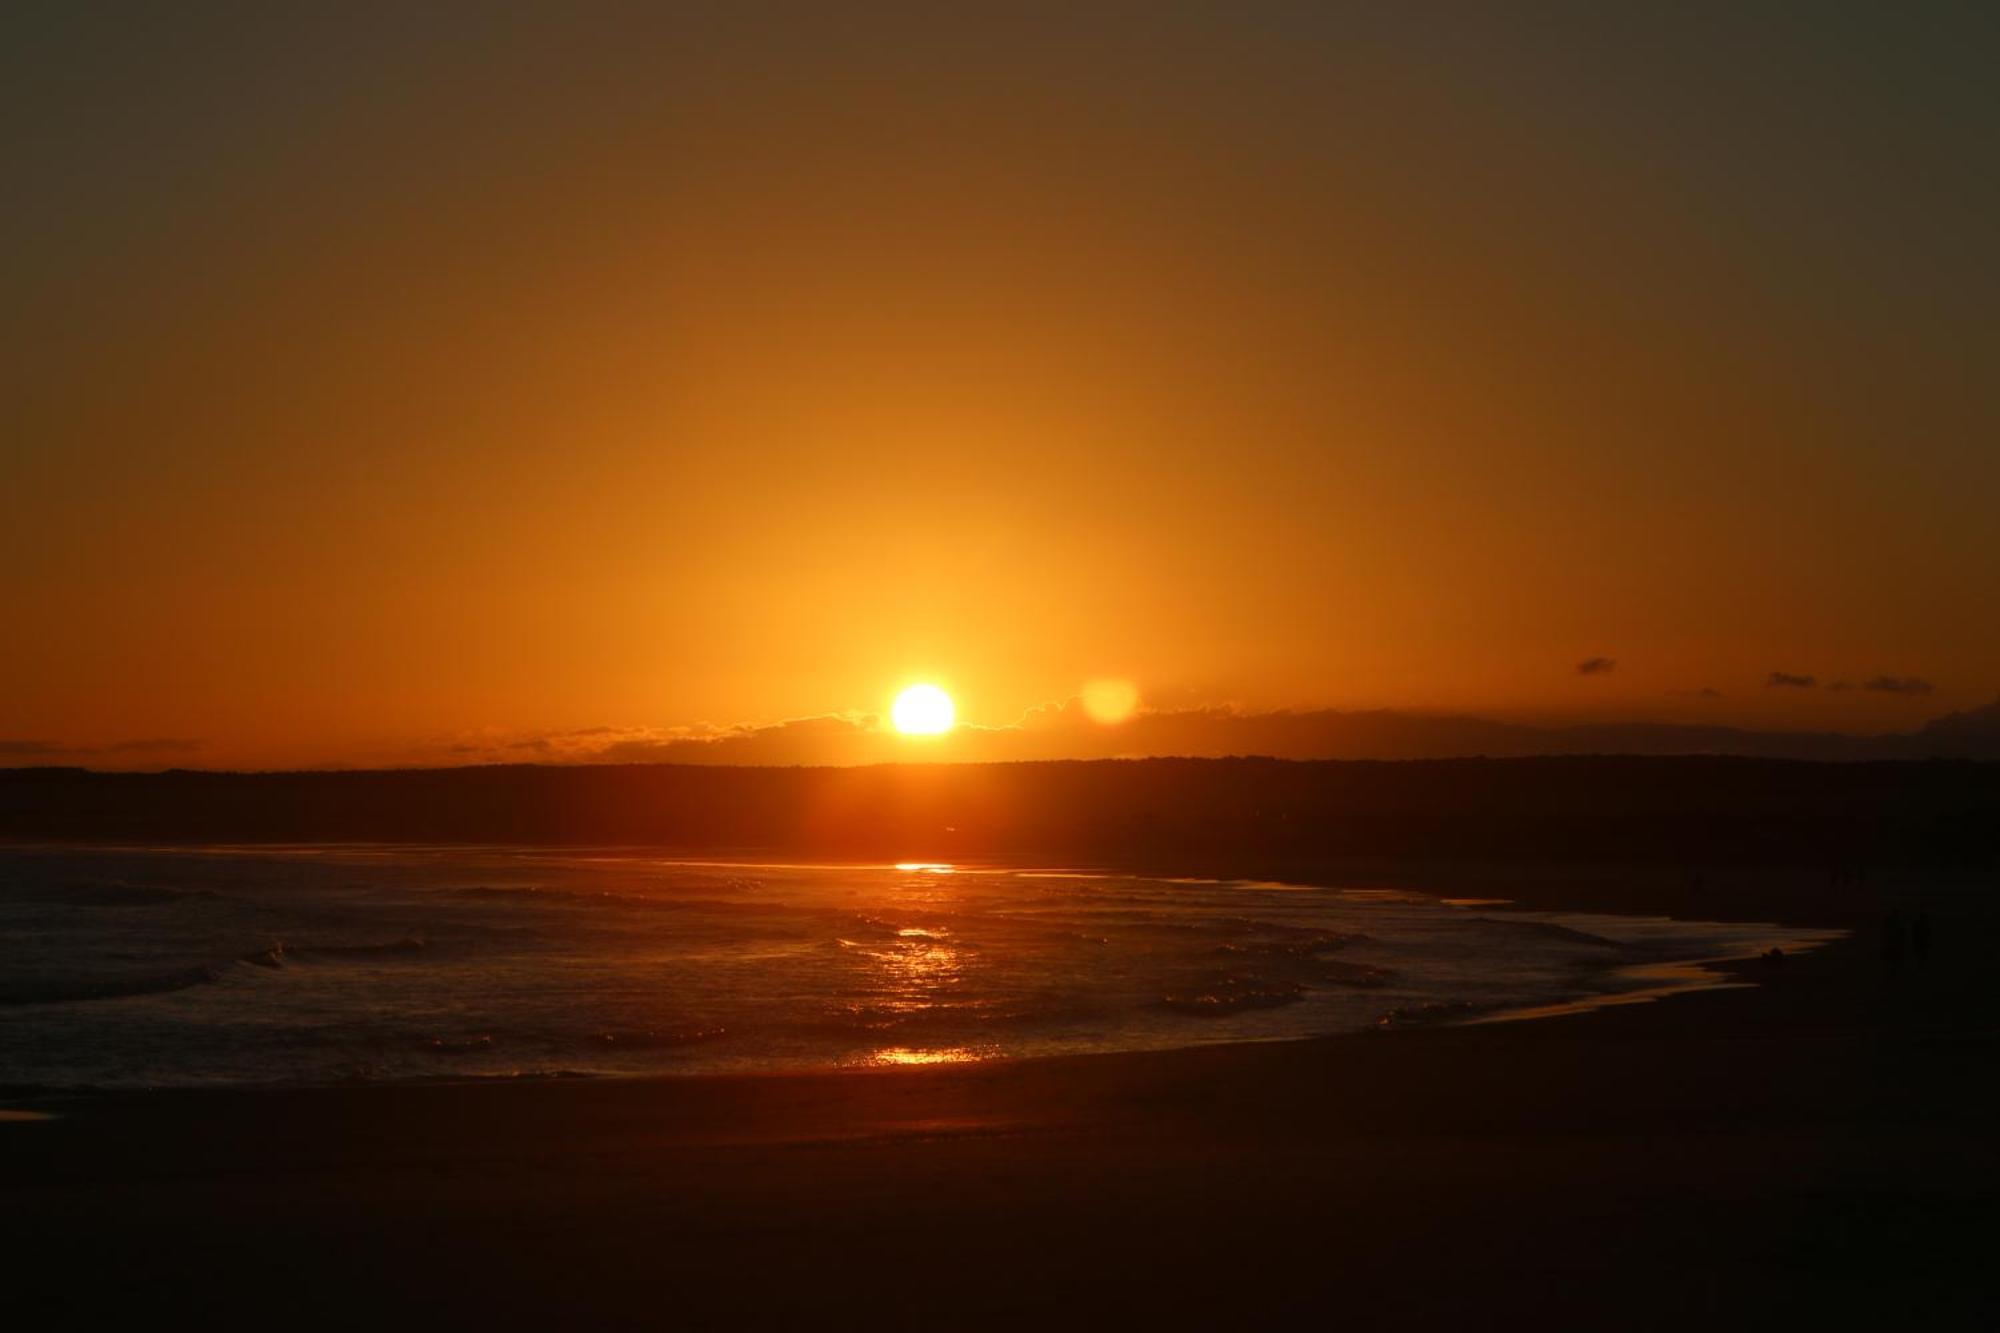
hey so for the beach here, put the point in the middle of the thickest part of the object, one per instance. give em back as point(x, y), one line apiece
point(1816, 1144)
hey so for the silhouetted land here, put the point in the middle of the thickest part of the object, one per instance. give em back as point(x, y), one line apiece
point(1259, 815)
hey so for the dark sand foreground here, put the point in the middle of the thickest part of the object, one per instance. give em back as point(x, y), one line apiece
point(1820, 1148)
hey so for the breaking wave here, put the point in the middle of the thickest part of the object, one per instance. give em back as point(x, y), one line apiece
point(65, 990)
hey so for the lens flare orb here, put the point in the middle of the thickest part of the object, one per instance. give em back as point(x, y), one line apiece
point(1110, 701)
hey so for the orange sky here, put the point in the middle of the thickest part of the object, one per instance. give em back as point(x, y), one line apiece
point(378, 384)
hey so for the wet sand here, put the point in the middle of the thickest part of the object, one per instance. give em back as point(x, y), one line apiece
point(1817, 1147)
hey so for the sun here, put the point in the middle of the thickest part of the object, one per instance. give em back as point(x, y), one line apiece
point(923, 710)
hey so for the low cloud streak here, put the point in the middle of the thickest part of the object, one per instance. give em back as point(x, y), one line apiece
point(1066, 730)
point(43, 749)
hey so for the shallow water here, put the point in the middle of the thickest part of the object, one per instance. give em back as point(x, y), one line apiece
point(122, 968)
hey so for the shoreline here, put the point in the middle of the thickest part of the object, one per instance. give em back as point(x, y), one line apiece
point(1718, 975)
point(1733, 975)
point(1724, 973)
point(1669, 977)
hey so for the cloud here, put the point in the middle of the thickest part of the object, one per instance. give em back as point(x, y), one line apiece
point(23, 749)
point(1973, 722)
point(1595, 666)
point(27, 749)
point(153, 745)
point(1065, 729)
point(840, 738)
point(1897, 685)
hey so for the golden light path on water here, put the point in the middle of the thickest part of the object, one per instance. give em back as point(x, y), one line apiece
point(904, 1055)
point(917, 973)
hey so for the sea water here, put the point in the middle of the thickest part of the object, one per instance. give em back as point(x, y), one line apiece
point(123, 968)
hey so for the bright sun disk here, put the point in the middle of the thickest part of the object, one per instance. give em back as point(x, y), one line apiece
point(923, 710)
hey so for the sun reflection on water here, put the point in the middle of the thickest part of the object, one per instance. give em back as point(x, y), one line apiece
point(915, 989)
point(907, 1055)
point(915, 970)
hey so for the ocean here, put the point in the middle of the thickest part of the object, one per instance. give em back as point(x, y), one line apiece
point(146, 968)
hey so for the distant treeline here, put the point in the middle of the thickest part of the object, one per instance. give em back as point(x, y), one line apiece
point(1598, 810)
